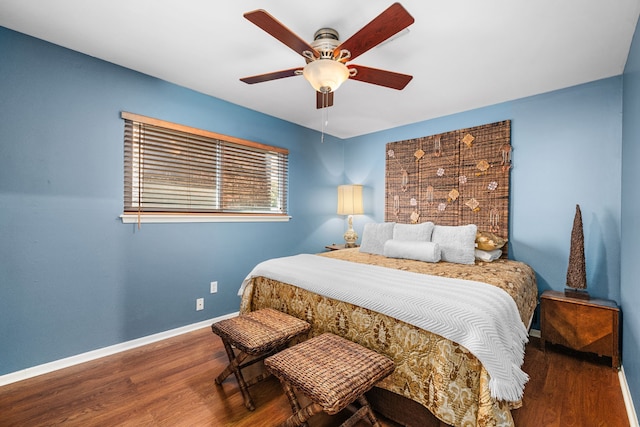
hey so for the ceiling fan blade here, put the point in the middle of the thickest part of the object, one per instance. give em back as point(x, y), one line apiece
point(271, 76)
point(324, 100)
point(271, 25)
point(385, 25)
point(380, 77)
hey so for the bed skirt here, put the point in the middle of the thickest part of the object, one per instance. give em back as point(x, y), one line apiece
point(440, 375)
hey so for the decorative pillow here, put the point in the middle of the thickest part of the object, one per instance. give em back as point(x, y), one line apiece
point(488, 241)
point(488, 256)
point(413, 232)
point(407, 249)
point(374, 235)
point(457, 243)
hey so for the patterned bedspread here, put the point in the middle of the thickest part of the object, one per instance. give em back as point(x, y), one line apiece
point(437, 373)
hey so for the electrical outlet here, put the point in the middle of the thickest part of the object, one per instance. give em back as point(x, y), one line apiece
point(200, 304)
point(214, 287)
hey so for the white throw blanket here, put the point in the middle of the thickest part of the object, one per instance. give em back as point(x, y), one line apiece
point(481, 317)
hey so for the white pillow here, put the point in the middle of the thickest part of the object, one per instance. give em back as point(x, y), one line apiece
point(488, 256)
point(457, 243)
point(374, 235)
point(419, 251)
point(421, 232)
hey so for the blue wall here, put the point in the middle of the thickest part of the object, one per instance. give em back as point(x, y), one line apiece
point(630, 287)
point(566, 151)
point(73, 278)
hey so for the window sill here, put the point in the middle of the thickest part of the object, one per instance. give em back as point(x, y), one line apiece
point(175, 218)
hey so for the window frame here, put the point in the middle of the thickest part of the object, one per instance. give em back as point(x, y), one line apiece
point(140, 216)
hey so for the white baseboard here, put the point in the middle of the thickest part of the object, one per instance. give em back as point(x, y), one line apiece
point(628, 402)
point(106, 351)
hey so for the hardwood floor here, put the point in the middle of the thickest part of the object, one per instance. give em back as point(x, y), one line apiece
point(570, 389)
point(170, 383)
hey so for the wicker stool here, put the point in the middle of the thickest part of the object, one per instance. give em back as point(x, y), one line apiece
point(332, 372)
point(260, 334)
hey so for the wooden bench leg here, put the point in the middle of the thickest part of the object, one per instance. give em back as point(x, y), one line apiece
point(234, 367)
point(234, 363)
point(361, 412)
point(368, 411)
point(299, 419)
point(355, 417)
point(300, 415)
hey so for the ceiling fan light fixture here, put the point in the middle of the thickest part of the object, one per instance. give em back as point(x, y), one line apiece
point(325, 75)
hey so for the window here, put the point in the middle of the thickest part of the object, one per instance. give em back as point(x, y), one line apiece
point(171, 169)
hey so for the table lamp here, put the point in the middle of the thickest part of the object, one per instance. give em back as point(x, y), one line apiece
point(350, 203)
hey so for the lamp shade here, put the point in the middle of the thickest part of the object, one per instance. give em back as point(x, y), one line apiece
point(325, 75)
point(350, 200)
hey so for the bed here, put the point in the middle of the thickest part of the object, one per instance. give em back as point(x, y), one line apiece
point(458, 183)
point(438, 374)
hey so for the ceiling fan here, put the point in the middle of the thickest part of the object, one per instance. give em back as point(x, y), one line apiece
point(326, 56)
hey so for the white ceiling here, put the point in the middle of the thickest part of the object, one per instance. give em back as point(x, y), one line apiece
point(463, 54)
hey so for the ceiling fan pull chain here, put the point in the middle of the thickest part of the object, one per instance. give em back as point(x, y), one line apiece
point(326, 117)
point(324, 112)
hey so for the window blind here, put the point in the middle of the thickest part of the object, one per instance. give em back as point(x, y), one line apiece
point(177, 169)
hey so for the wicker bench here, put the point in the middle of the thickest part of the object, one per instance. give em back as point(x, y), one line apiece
point(259, 334)
point(332, 373)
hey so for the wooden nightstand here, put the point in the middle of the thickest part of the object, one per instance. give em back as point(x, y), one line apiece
point(334, 247)
point(583, 325)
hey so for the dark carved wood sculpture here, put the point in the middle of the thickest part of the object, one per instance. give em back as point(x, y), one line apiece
point(576, 271)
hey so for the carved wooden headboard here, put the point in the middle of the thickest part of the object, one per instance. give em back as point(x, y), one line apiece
point(453, 178)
